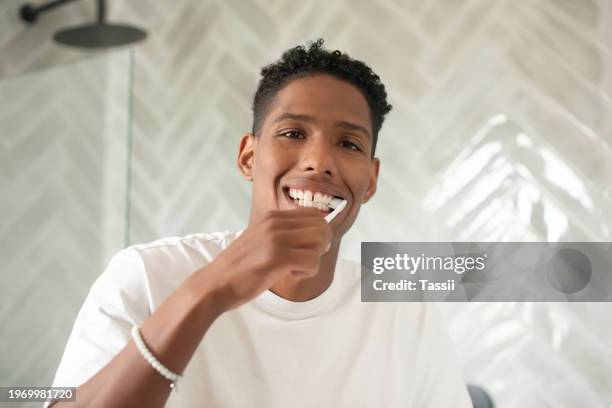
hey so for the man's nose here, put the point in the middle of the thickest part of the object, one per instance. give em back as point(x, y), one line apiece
point(318, 156)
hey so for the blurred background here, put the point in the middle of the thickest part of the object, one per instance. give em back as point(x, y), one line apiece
point(501, 131)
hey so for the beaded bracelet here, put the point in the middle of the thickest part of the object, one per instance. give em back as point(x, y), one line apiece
point(159, 367)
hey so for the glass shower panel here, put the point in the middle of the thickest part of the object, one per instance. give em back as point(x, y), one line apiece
point(63, 183)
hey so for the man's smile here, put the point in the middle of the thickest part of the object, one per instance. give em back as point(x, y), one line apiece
point(309, 193)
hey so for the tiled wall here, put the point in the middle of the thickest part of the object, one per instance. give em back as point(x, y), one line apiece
point(501, 130)
point(62, 200)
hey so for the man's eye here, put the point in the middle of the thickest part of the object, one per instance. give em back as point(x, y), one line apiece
point(292, 134)
point(349, 145)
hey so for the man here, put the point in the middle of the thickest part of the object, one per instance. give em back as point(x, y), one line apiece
point(268, 317)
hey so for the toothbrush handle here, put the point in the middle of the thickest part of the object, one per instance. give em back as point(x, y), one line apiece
point(329, 217)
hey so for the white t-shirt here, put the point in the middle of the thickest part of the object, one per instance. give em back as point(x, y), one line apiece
point(331, 351)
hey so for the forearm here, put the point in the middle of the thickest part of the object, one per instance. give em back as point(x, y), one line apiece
point(172, 334)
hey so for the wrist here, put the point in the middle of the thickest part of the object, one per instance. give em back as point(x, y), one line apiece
point(208, 289)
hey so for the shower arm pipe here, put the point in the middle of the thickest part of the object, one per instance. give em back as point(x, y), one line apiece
point(30, 13)
point(101, 11)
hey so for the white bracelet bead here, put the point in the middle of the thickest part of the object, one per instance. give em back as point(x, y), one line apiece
point(159, 367)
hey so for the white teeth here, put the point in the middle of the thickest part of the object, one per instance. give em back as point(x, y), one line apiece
point(307, 198)
point(308, 195)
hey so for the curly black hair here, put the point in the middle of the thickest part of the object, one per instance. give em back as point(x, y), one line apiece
point(299, 62)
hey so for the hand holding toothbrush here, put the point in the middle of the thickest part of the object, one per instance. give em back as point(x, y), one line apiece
point(282, 242)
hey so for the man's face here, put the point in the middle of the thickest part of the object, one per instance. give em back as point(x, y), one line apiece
point(317, 137)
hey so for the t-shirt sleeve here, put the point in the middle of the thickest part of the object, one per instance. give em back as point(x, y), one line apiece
point(118, 299)
point(442, 383)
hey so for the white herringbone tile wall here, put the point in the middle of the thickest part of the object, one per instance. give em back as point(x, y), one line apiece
point(501, 130)
point(62, 197)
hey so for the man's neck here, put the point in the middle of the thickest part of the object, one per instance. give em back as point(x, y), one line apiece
point(299, 289)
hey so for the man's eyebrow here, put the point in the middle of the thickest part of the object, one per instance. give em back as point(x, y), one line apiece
point(339, 124)
point(352, 126)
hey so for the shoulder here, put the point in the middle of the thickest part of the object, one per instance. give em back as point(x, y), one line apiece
point(192, 249)
point(155, 268)
point(198, 241)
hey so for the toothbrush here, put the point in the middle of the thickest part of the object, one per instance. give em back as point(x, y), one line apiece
point(338, 205)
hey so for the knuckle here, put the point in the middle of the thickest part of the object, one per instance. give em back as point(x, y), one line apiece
point(313, 262)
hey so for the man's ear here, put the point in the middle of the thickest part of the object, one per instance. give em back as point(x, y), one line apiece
point(371, 190)
point(246, 155)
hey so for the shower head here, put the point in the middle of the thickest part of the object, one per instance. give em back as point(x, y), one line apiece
point(99, 35)
point(96, 35)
